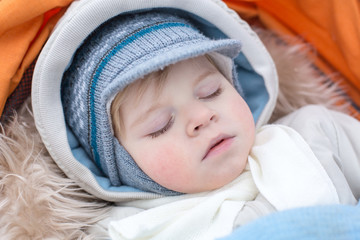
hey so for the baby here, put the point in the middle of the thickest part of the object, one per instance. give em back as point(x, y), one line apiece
point(159, 108)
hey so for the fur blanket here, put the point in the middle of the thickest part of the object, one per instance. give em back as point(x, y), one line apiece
point(37, 201)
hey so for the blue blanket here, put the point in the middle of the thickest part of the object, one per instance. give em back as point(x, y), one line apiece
point(338, 222)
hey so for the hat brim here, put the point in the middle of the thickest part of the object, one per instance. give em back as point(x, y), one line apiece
point(164, 57)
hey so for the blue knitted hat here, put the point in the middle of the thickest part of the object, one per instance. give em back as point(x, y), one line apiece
point(117, 53)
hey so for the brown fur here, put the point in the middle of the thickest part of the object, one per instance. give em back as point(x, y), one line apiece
point(300, 82)
point(37, 201)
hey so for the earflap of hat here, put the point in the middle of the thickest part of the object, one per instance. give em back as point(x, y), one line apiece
point(132, 176)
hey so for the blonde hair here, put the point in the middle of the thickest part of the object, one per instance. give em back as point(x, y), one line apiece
point(157, 78)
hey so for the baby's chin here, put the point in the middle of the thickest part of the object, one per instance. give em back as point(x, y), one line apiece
point(216, 185)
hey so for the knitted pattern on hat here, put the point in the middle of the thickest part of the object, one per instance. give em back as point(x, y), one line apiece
point(117, 53)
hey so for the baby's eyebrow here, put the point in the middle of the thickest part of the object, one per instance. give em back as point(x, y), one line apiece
point(145, 115)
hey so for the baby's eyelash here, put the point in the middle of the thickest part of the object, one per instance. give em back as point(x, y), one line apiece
point(214, 94)
point(164, 129)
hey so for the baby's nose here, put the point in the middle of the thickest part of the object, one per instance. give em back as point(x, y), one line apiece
point(200, 119)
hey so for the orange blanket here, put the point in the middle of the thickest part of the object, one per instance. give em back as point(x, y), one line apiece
point(24, 27)
point(332, 27)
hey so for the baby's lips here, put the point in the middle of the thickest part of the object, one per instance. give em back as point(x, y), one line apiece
point(214, 142)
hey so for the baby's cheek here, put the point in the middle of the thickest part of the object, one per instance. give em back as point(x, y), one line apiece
point(240, 109)
point(236, 103)
point(169, 169)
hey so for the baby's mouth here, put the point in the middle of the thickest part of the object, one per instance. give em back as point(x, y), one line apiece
point(218, 144)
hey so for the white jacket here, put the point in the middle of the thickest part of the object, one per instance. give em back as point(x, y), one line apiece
point(334, 138)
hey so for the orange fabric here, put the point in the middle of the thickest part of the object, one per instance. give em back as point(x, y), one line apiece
point(24, 27)
point(331, 26)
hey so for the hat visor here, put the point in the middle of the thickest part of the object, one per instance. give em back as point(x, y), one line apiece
point(164, 57)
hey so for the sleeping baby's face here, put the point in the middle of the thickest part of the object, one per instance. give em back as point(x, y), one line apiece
point(194, 134)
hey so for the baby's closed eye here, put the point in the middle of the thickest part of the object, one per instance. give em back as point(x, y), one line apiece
point(214, 94)
point(163, 128)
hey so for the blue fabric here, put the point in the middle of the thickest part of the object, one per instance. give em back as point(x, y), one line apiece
point(340, 222)
point(81, 155)
point(253, 86)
